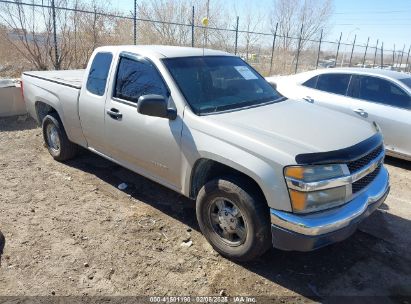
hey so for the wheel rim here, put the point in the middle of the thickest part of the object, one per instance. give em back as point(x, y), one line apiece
point(53, 138)
point(228, 221)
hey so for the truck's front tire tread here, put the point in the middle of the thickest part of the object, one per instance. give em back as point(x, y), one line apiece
point(252, 205)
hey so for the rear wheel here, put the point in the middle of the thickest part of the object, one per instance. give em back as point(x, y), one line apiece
point(235, 221)
point(55, 137)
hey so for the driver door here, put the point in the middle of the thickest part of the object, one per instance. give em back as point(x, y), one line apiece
point(145, 144)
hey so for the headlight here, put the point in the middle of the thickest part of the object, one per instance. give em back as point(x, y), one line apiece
point(309, 187)
point(304, 202)
point(314, 173)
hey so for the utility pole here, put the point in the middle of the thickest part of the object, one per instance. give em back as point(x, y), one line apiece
point(319, 49)
point(135, 22)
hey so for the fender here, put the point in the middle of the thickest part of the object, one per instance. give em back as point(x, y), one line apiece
point(196, 145)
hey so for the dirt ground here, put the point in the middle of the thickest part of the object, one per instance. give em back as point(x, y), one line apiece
point(69, 230)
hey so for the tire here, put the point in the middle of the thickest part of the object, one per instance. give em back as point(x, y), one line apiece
point(58, 144)
point(254, 219)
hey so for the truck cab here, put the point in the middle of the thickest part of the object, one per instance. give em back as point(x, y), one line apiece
point(263, 169)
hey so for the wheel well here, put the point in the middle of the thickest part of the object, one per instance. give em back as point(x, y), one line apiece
point(206, 169)
point(43, 110)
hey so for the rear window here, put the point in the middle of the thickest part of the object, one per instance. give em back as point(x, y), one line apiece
point(333, 83)
point(383, 91)
point(97, 78)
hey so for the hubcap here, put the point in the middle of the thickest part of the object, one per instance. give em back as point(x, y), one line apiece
point(53, 138)
point(228, 221)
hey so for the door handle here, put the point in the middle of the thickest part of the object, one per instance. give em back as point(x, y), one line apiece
point(309, 99)
point(114, 113)
point(361, 112)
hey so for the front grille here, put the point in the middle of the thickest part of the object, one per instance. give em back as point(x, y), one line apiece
point(365, 181)
point(358, 164)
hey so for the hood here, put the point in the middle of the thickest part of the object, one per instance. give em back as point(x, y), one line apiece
point(290, 127)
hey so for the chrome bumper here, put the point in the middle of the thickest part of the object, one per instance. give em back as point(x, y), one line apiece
point(319, 227)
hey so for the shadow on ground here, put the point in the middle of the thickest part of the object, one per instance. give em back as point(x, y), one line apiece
point(399, 163)
point(17, 123)
point(309, 274)
point(2, 244)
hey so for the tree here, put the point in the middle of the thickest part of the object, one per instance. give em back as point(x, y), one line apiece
point(173, 11)
point(312, 15)
point(28, 33)
point(253, 23)
point(30, 30)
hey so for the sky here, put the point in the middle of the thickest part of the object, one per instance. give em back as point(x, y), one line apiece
point(386, 20)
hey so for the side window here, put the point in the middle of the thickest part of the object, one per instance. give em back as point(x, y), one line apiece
point(97, 78)
point(354, 87)
point(398, 97)
point(383, 91)
point(372, 88)
point(137, 78)
point(311, 83)
point(333, 83)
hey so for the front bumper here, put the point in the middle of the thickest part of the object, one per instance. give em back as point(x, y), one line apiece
point(292, 231)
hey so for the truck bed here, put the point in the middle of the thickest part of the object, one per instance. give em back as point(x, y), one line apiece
point(70, 78)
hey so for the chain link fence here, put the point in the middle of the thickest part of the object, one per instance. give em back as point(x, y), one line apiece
point(61, 34)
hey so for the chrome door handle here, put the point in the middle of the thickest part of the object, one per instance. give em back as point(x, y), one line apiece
point(114, 113)
point(309, 99)
point(361, 112)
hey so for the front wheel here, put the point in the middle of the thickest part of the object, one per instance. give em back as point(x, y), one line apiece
point(235, 221)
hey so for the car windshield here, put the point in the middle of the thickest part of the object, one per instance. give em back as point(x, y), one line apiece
point(219, 83)
point(406, 81)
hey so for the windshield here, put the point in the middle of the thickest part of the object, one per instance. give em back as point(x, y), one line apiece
point(406, 81)
point(219, 83)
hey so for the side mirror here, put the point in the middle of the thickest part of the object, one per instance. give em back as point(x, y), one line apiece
point(155, 105)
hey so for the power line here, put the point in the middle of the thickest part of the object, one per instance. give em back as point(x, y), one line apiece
point(372, 12)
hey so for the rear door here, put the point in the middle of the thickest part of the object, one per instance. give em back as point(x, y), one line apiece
point(145, 144)
point(380, 100)
point(329, 90)
point(92, 100)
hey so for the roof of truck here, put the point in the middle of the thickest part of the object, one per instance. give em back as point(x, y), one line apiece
point(169, 51)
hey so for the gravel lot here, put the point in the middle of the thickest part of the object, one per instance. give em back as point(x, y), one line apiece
point(69, 231)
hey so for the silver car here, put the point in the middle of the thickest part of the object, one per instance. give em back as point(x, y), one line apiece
point(375, 95)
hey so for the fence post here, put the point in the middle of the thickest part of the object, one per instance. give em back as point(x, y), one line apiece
point(56, 52)
point(402, 54)
point(298, 50)
point(375, 54)
point(192, 28)
point(135, 22)
point(365, 53)
point(408, 57)
point(393, 57)
point(272, 49)
point(352, 50)
point(382, 54)
point(338, 49)
point(236, 36)
point(319, 49)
